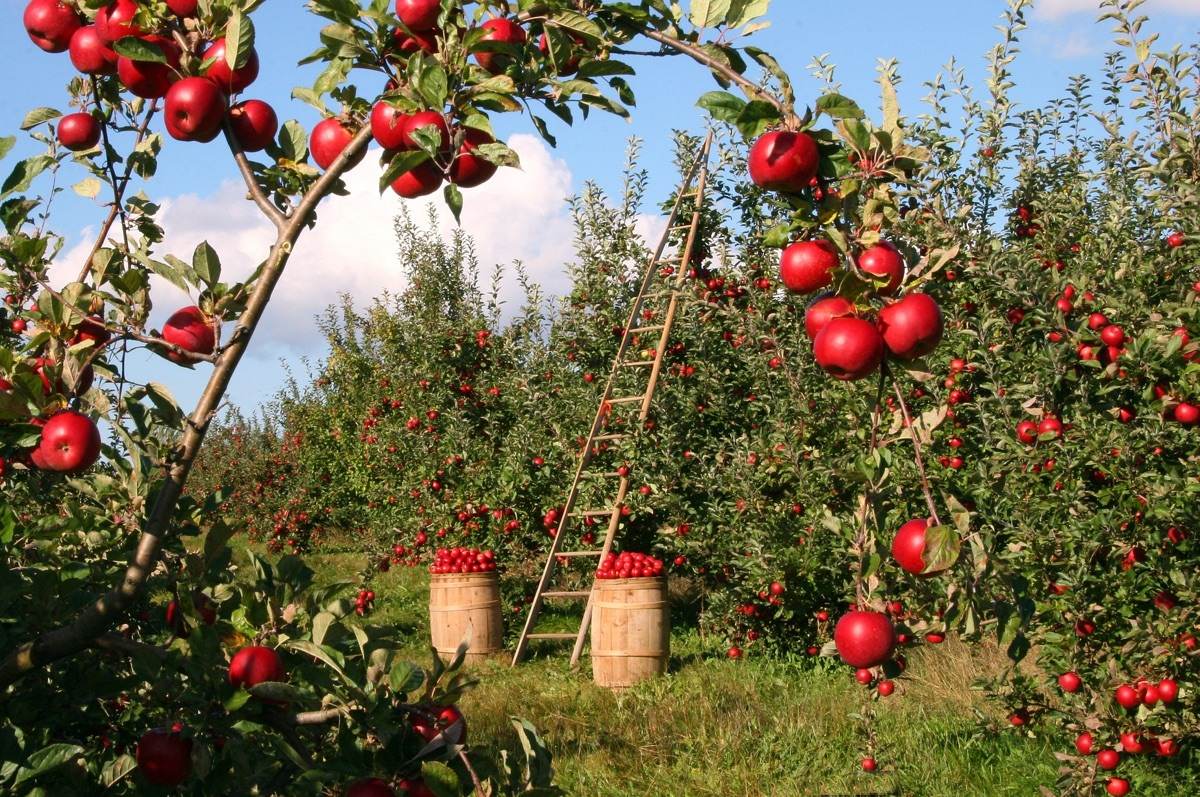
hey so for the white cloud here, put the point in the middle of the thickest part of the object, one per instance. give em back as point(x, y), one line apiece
point(518, 215)
point(1064, 47)
point(1056, 9)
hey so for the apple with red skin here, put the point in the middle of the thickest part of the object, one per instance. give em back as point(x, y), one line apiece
point(1117, 787)
point(1112, 335)
point(191, 330)
point(418, 15)
point(869, 765)
point(1166, 748)
point(864, 638)
point(1050, 425)
point(78, 132)
point(91, 328)
point(502, 30)
point(388, 125)
point(571, 66)
point(254, 124)
point(51, 24)
point(734, 652)
point(807, 266)
point(1168, 690)
point(329, 138)
point(883, 260)
point(70, 443)
point(1108, 758)
point(90, 54)
point(424, 119)
point(115, 21)
point(1027, 432)
point(164, 757)
point(255, 665)
point(1176, 240)
point(369, 787)
point(1097, 321)
point(417, 41)
point(1085, 743)
point(908, 547)
point(784, 160)
point(912, 327)
point(421, 180)
point(823, 310)
point(1127, 697)
point(183, 8)
point(204, 606)
point(469, 170)
point(848, 348)
point(1186, 414)
point(231, 81)
point(194, 110)
point(1070, 682)
point(435, 720)
point(415, 787)
point(150, 80)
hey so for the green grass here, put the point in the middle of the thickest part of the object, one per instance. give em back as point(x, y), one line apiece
point(754, 727)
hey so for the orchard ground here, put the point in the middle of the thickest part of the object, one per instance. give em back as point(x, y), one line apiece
point(761, 725)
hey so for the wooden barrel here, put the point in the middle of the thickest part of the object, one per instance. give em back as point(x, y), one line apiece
point(465, 605)
point(631, 631)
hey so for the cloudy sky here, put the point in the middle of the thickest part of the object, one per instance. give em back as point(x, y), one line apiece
point(521, 215)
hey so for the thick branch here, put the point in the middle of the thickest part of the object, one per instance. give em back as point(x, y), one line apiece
point(119, 644)
point(96, 619)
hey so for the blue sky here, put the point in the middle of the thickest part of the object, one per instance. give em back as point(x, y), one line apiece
point(203, 201)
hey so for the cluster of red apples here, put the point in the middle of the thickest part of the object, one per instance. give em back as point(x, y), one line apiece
point(847, 343)
point(629, 564)
point(463, 560)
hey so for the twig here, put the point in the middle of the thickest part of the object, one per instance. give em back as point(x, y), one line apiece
point(256, 193)
point(912, 433)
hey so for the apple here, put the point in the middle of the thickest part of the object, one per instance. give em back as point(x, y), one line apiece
point(908, 547)
point(1050, 425)
point(51, 24)
point(848, 348)
point(418, 15)
point(807, 266)
point(164, 757)
point(864, 676)
point(69, 443)
point(869, 765)
point(416, 41)
point(1108, 758)
point(254, 124)
point(1176, 240)
point(255, 665)
point(78, 132)
point(1070, 681)
point(1117, 787)
point(434, 720)
point(1131, 742)
point(784, 160)
point(194, 110)
point(1168, 690)
point(115, 21)
point(571, 65)
point(823, 310)
point(864, 638)
point(1112, 335)
point(912, 327)
point(90, 54)
point(91, 328)
point(424, 119)
point(388, 125)
point(1027, 432)
point(1186, 414)
point(369, 787)
point(150, 80)
point(183, 8)
point(1127, 697)
point(1085, 743)
point(886, 688)
point(1166, 748)
point(469, 170)
point(231, 81)
point(328, 140)
point(503, 31)
point(1097, 321)
point(1019, 717)
point(419, 181)
point(883, 260)
point(190, 330)
point(1126, 415)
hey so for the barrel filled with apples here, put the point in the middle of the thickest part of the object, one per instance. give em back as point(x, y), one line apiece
point(464, 603)
point(631, 621)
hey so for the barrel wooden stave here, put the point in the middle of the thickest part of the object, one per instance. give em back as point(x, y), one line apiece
point(631, 631)
point(462, 604)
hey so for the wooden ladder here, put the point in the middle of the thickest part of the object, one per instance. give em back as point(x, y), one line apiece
point(690, 196)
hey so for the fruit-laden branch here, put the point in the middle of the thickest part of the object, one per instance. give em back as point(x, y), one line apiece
point(70, 639)
point(117, 208)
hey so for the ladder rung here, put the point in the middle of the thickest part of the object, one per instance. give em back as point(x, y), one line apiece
point(582, 594)
point(655, 328)
point(637, 363)
point(579, 553)
point(552, 636)
point(592, 512)
point(615, 436)
point(626, 399)
point(658, 294)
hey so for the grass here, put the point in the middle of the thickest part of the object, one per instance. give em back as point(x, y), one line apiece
point(772, 727)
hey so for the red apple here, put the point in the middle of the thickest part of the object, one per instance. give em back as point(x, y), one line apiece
point(190, 330)
point(418, 15)
point(823, 310)
point(784, 160)
point(807, 266)
point(469, 170)
point(504, 31)
point(115, 21)
point(1168, 690)
point(908, 547)
point(416, 787)
point(164, 757)
point(417, 41)
point(912, 327)
point(1127, 697)
point(1176, 240)
point(329, 138)
point(1085, 743)
point(254, 124)
point(1097, 321)
point(420, 181)
point(255, 665)
point(848, 348)
point(231, 81)
point(864, 638)
point(90, 54)
point(424, 119)
point(182, 8)
point(1186, 414)
point(149, 79)
point(1070, 681)
point(1112, 335)
point(1108, 758)
point(388, 125)
point(370, 787)
point(50, 24)
point(568, 67)
point(1027, 432)
point(1117, 787)
point(1131, 742)
point(1050, 425)
point(883, 260)
point(78, 132)
point(70, 443)
point(194, 110)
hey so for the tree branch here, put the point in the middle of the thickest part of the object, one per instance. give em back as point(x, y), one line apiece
point(912, 433)
point(70, 639)
point(256, 193)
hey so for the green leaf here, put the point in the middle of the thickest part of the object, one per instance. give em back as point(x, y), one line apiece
point(24, 173)
point(293, 141)
point(499, 154)
point(440, 779)
point(722, 105)
point(48, 758)
point(117, 769)
point(942, 546)
point(778, 236)
point(6, 145)
point(401, 163)
point(454, 201)
point(577, 23)
point(743, 11)
point(39, 115)
point(709, 13)
point(88, 188)
point(275, 691)
point(239, 39)
point(206, 264)
point(405, 677)
point(137, 49)
point(320, 626)
point(835, 106)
